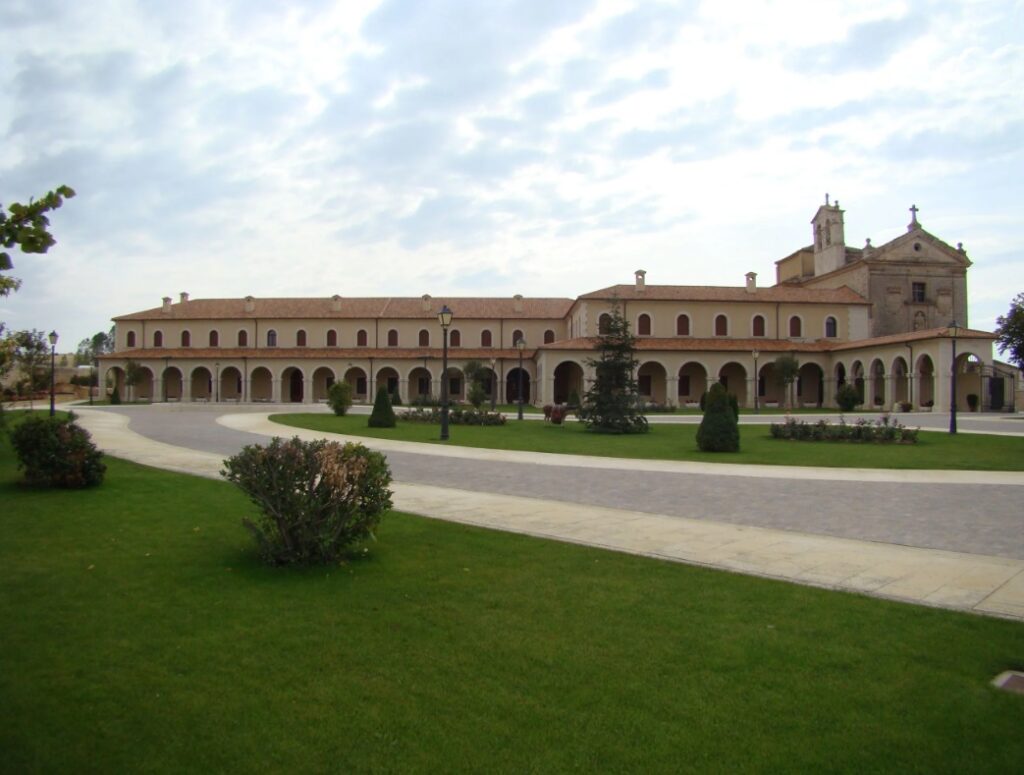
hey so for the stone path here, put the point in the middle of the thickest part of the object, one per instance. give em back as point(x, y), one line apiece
point(952, 539)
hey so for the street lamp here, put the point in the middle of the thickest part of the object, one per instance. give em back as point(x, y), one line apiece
point(954, 329)
point(494, 383)
point(53, 372)
point(757, 383)
point(444, 317)
point(520, 345)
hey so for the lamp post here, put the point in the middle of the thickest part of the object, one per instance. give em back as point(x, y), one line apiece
point(520, 345)
point(953, 331)
point(444, 317)
point(757, 384)
point(53, 373)
point(494, 383)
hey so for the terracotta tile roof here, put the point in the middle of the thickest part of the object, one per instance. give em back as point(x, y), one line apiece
point(349, 308)
point(315, 353)
point(913, 336)
point(775, 293)
point(693, 344)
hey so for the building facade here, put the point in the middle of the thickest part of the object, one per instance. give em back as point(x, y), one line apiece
point(880, 318)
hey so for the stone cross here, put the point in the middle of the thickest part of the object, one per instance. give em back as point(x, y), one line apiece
point(913, 213)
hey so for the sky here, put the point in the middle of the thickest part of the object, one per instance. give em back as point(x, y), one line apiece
point(403, 147)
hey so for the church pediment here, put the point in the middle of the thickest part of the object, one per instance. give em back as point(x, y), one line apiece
point(920, 247)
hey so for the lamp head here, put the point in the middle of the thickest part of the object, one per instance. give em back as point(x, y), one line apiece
point(755, 353)
point(520, 344)
point(445, 316)
point(954, 329)
point(53, 339)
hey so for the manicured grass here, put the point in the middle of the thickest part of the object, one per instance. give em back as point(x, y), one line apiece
point(934, 450)
point(140, 633)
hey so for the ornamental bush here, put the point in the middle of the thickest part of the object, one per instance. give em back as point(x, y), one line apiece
point(57, 452)
point(316, 498)
point(719, 430)
point(882, 431)
point(847, 397)
point(383, 416)
point(339, 397)
point(456, 416)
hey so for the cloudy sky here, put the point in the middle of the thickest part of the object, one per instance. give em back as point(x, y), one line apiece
point(484, 147)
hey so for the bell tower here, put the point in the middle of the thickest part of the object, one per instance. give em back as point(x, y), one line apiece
point(829, 238)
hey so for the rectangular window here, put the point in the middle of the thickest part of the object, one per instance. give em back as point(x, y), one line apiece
point(917, 292)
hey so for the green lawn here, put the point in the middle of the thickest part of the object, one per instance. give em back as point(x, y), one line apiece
point(140, 633)
point(935, 450)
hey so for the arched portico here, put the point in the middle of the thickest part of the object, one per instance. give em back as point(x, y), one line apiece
point(262, 384)
point(925, 369)
point(733, 377)
point(568, 376)
point(323, 378)
point(769, 387)
point(899, 381)
point(652, 381)
point(201, 384)
point(142, 390)
point(420, 384)
point(810, 385)
point(172, 384)
point(857, 375)
point(115, 376)
point(230, 384)
point(388, 377)
point(356, 377)
point(968, 381)
point(512, 385)
point(878, 387)
point(693, 382)
point(293, 385)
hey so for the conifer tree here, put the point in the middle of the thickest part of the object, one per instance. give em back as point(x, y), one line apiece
point(612, 404)
point(382, 416)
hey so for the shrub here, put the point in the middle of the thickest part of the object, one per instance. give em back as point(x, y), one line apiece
point(456, 416)
point(396, 398)
point(382, 416)
point(339, 397)
point(655, 408)
point(115, 396)
point(905, 406)
point(57, 452)
point(847, 397)
point(574, 400)
point(882, 431)
point(316, 498)
point(734, 402)
point(719, 430)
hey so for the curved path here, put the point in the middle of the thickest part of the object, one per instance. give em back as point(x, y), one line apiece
point(944, 538)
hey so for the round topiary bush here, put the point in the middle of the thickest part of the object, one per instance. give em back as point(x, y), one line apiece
point(847, 397)
point(57, 452)
point(719, 430)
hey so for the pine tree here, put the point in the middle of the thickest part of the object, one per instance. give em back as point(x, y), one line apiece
point(612, 404)
point(383, 416)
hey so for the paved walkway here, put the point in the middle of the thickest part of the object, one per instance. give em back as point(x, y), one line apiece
point(950, 539)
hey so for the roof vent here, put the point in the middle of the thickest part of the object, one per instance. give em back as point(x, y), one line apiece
point(517, 302)
point(427, 305)
point(250, 304)
point(167, 305)
point(336, 303)
point(184, 297)
point(751, 282)
point(640, 279)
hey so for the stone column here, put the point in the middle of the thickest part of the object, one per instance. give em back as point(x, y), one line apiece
point(275, 388)
point(888, 385)
point(671, 391)
point(307, 390)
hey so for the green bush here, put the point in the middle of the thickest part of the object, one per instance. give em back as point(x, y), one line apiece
point(848, 397)
point(456, 416)
point(734, 402)
point(719, 430)
point(383, 416)
point(882, 431)
point(115, 396)
point(339, 397)
point(396, 398)
point(316, 498)
point(57, 452)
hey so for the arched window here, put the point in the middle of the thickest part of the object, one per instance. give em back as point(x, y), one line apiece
point(604, 323)
point(392, 338)
point(300, 338)
point(131, 338)
point(757, 325)
point(271, 338)
point(643, 325)
point(721, 325)
point(516, 336)
point(186, 339)
point(214, 339)
point(795, 326)
point(332, 338)
point(485, 339)
point(243, 338)
point(158, 338)
point(683, 325)
point(455, 339)
point(549, 336)
point(361, 338)
point(424, 338)
point(831, 327)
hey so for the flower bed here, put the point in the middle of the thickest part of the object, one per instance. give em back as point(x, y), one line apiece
point(456, 416)
point(882, 431)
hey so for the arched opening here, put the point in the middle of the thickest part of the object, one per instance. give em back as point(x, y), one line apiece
point(900, 377)
point(323, 378)
point(516, 336)
point(115, 376)
point(420, 385)
point(968, 382)
point(770, 390)
point(230, 384)
point(393, 337)
point(549, 336)
point(757, 326)
point(172, 384)
point(356, 377)
point(693, 383)
point(455, 338)
point(361, 338)
point(857, 374)
point(733, 377)
point(424, 338)
point(456, 385)
point(683, 325)
point(721, 325)
point(604, 323)
point(652, 382)
point(512, 379)
point(214, 339)
point(485, 339)
point(925, 382)
point(796, 327)
point(568, 380)
point(300, 338)
point(388, 377)
point(243, 338)
point(810, 385)
point(831, 327)
point(186, 338)
point(158, 338)
point(202, 384)
point(877, 383)
point(332, 338)
point(262, 386)
point(271, 338)
point(142, 390)
point(131, 339)
point(643, 325)
point(292, 385)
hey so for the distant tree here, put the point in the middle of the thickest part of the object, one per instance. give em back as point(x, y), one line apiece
point(31, 352)
point(1010, 331)
point(27, 227)
point(475, 373)
point(133, 375)
point(788, 369)
point(612, 404)
point(339, 396)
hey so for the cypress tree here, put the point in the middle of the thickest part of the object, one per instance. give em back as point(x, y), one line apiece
point(382, 416)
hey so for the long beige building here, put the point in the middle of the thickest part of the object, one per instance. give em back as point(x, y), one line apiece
point(876, 317)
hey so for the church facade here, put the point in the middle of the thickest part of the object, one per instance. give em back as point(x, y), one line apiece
point(880, 318)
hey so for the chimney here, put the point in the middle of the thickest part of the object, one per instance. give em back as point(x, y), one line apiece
point(335, 303)
point(250, 304)
point(751, 282)
point(184, 297)
point(427, 305)
point(167, 305)
point(517, 302)
point(640, 275)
